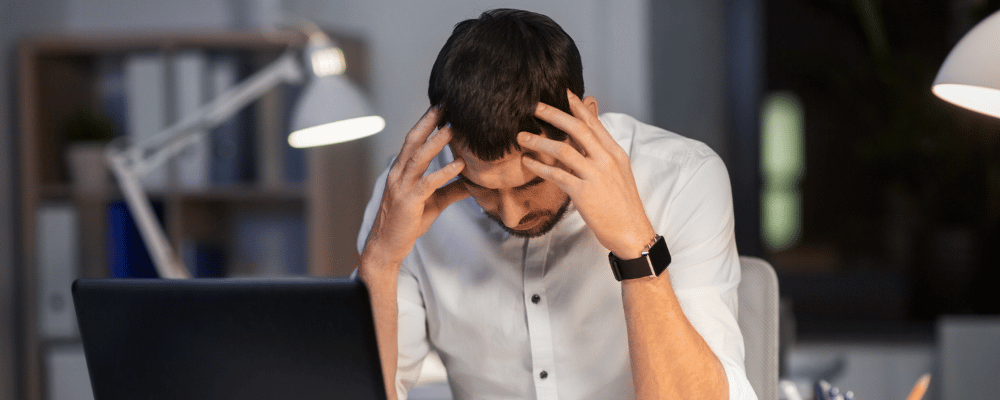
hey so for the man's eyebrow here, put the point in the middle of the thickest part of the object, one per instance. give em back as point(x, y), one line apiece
point(533, 182)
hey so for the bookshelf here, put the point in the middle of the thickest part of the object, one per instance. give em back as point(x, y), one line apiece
point(59, 74)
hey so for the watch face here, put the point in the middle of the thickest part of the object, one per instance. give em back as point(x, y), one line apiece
point(659, 256)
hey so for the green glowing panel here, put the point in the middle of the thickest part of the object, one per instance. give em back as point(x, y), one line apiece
point(781, 140)
point(780, 215)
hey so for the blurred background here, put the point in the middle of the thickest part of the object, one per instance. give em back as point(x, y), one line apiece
point(877, 203)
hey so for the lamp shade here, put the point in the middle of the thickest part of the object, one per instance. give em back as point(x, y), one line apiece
point(331, 109)
point(970, 76)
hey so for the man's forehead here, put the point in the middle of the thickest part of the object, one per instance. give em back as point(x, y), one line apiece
point(506, 172)
point(470, 158)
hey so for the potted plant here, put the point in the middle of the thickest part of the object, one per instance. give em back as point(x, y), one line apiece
point(88, 133)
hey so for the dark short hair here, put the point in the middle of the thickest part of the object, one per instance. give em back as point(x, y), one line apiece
point(493, 71)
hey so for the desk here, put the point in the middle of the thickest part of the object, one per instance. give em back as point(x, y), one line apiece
point(872, 370)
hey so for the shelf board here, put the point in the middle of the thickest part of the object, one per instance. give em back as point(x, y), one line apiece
point(242, 193)
point(72, 44)
point(227, 193)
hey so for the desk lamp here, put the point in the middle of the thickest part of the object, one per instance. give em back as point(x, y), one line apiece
point(970, 76)
point(331, 110)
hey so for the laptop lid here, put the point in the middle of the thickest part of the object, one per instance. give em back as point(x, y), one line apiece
point(228, 339)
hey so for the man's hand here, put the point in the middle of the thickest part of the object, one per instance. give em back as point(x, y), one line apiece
point(411, 201)
point(598, 180)
point(410, 204)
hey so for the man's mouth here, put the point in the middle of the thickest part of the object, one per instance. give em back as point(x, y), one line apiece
point(532, 225)
point(529, 223)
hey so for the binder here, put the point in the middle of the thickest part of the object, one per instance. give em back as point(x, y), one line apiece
point(129, 257)
point(232, 141)
point(194, 162)
point(57, 252)
point(146, 96)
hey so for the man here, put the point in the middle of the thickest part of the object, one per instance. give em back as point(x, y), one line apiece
point(512, 286)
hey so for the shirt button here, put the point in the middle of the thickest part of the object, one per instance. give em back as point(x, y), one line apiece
point(543, 375)
point(536, 298)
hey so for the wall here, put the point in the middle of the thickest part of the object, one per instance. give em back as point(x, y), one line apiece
point(687, 60)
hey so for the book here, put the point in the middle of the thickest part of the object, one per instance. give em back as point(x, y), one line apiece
point(193, 163)
point(294, 159)
point(232, 141)
point(272, 137)
point(111, 89)
point(146, 98)
point(129, 257)
point(66, 373)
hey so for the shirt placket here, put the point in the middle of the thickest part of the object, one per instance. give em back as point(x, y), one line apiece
point(537, 311)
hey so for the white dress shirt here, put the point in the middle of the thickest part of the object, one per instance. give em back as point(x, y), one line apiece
point(542, 318)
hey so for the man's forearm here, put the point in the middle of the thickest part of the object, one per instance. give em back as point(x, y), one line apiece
point(381, 283)
point(669, 358)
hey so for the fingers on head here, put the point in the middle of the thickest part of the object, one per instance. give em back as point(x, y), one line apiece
point(421, 157)
point(573, 125)
point(420, 131)
point(565, 180)
point(439, 178)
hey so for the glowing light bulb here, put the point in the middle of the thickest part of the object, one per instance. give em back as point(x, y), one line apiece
point(337, 132)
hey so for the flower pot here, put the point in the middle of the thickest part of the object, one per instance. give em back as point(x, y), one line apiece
point(88, 170)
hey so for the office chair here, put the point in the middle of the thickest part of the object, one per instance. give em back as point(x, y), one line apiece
point(758, 320)
point(968, 354)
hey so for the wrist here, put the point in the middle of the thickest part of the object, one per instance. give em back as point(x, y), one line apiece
point(633, 245)
point(376, 259)
point(378, 275)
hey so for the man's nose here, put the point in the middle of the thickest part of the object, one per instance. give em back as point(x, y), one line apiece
point(511, 210)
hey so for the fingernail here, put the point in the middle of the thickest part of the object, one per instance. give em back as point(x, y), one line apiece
point(523, 137)
point(541, 106)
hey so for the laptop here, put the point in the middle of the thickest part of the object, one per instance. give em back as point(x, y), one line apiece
point(228, 339)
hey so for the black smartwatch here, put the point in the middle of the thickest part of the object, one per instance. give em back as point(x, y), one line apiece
point(653, 262)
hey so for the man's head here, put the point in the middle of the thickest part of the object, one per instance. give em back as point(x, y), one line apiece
point(493, 71)
point(486, 82)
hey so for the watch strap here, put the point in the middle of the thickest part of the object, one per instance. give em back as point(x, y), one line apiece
point(652, 262)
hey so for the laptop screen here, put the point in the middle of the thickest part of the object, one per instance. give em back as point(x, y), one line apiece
point(228, 339)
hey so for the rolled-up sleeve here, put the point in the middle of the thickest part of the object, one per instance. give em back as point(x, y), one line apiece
point(698, 225)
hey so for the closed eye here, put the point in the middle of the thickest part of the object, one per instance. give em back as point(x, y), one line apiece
point(534, 182)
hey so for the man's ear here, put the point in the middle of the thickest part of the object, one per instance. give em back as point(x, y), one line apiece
point(591, 103)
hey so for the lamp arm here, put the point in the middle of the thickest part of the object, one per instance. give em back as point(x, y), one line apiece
point(129, 162)
point(154, 151)
point(167, 264)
